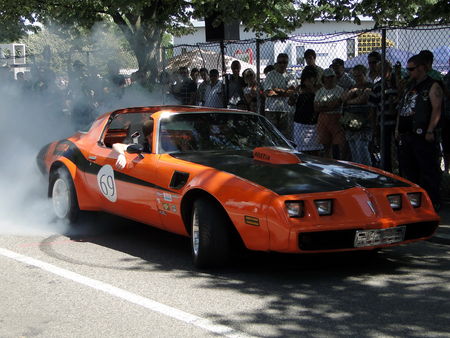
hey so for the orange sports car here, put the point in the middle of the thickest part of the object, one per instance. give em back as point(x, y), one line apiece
point(226, 178)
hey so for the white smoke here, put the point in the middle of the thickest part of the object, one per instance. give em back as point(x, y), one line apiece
point(30, 119)
point(24, 128)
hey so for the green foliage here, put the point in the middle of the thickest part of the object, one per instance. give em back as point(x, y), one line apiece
point(16, 19)
point(384, 12)
point(94, 48)
point(278, 17)
point(144, 22)
point(274, 18)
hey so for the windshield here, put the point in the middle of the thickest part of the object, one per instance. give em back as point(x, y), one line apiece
point(214, 131)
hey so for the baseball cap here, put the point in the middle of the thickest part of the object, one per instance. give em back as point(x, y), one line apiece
point(337, 62)
point(328, 72)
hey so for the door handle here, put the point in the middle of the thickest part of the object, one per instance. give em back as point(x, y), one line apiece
point(92, 158)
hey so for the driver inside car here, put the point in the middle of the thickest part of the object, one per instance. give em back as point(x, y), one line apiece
point(120, 148)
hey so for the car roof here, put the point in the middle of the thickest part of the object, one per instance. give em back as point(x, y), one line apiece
point(173, 109)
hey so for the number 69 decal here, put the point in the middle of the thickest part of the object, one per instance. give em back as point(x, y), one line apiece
point(106, 183)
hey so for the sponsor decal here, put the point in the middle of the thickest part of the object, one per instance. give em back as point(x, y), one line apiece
point(106, 183)
point(169, 197)
point(165, 206)
point(251, 220)
point(261, 156)
point(173, 208)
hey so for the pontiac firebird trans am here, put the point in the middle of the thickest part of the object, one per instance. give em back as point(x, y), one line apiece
point(226, 178)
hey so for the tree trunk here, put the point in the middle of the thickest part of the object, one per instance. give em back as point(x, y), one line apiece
point(145, 41)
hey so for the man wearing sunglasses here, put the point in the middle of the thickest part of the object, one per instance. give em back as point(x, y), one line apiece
point(420, 112)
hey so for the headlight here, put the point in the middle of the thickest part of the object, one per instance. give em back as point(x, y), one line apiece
point(395, 201)
point(324, 207)
point(415, 198)
point(295, 209)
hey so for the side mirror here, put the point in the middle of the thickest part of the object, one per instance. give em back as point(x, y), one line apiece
point(135, 148)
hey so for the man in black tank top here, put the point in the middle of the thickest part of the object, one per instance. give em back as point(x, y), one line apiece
point(420, 112)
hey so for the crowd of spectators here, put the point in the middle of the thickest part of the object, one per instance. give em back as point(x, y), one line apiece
point(341, 113)
point(79, 97)
point(333, 112)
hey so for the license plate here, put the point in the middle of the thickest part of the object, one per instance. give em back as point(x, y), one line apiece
point(379, 236)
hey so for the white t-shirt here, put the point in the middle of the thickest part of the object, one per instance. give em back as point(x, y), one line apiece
point(276, 79)
point(213, 95)
point(326, 95)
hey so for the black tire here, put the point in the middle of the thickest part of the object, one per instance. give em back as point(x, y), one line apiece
point(210, 235)
point(63, 195)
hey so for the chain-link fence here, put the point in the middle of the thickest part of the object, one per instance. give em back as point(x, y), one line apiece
point(349, 111)
point(329, 102)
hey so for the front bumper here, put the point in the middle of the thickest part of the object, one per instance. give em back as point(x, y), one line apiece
point(333, 240)
point(354, 210)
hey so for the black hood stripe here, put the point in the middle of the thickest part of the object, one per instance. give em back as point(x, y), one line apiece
point(312, 175)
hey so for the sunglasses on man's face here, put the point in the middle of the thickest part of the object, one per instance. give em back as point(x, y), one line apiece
point(410, 69)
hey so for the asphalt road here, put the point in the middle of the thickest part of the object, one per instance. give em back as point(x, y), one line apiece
point(115, 278)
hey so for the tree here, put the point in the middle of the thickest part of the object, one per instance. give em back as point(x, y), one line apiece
point(15, 21)
point(93, 48)
point(143, 22)
point(385, 12)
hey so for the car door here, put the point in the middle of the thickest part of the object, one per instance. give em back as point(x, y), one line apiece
point(129, 192)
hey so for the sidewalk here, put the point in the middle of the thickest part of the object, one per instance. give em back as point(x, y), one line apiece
point(442, 234)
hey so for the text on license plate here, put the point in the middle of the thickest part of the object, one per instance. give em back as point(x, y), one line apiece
point(379, 236)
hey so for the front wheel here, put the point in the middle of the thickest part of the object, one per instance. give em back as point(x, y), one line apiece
point(64, 198)
point(210, 235)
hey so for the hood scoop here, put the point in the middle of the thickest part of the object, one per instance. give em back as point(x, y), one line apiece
point(275, 155)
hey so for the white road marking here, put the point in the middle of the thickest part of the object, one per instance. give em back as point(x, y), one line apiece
point(128, 296)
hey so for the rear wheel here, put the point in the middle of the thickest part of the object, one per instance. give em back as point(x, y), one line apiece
point(210, 235)
point(64, 198)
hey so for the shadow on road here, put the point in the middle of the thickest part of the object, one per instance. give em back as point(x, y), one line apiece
point(402, 291)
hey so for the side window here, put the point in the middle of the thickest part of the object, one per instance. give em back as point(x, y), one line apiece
point(123, 126)
point(117, 131)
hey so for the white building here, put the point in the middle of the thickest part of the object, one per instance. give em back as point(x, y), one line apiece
point(13, 55)
point(337, 44)
point(328, 39)
point(308, 28)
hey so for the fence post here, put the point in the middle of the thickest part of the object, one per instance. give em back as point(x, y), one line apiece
point(258, 74)
point(162, 79)
point(383, 144)
point(224, 73)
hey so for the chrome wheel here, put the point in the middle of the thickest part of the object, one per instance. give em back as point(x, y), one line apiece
point(61, 198)
point(209, 234)
point(195, 233)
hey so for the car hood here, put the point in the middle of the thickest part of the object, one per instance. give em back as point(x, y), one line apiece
point(311, 174)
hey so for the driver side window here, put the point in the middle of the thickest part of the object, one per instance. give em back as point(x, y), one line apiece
point(122, 127)
point(116, 135)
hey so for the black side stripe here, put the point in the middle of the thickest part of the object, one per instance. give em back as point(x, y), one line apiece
point(74, 155)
